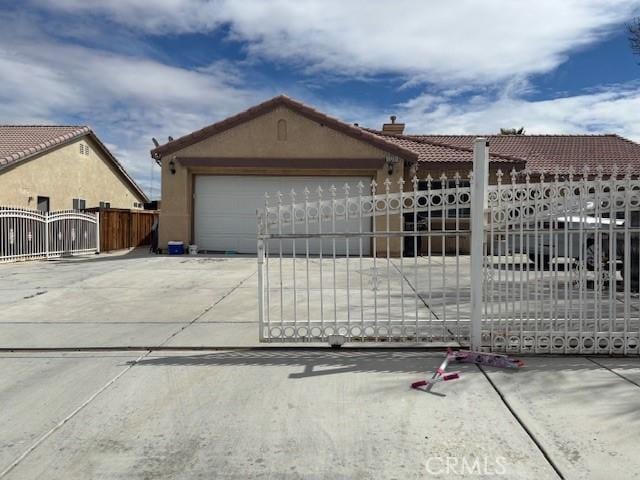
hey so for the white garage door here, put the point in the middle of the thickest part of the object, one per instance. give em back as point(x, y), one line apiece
point(225, 211)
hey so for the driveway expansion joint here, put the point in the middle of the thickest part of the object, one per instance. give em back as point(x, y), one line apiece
point(66, 419)
point(522, 424)
point(206, 310)
point(592, 360)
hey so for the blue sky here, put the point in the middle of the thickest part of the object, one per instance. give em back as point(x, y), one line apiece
point(136, 69)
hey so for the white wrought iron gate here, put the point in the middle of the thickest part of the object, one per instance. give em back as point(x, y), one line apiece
point(553, 265)
point(562, 264)
point(30, 234)
point(384, 296)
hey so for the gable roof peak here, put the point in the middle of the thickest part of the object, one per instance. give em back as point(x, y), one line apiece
point(267, 106)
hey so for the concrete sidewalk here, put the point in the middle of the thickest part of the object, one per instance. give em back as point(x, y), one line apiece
point(313, 413)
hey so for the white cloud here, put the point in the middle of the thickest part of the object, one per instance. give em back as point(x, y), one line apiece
point(23, 85)
point(439, 42)
point(468, 53)
point(613, 109)
point(126, 99)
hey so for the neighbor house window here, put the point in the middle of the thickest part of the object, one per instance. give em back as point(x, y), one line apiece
point(43, 204)
point(79, 204)
point(105, 204)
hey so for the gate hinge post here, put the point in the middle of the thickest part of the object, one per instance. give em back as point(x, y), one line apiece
point(479, 206)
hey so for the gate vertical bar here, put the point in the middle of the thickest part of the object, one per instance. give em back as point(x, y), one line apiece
point(261, 231)
point(46, 234)
point(346, 189)
point(478, 208)
point(292, 195)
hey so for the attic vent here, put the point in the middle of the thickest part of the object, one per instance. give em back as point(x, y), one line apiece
point(84, 149)
point(282, 129)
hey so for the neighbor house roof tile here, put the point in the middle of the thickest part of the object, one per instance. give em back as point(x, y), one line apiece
point(21, 142)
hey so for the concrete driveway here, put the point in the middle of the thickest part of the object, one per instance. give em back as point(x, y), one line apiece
point(130, 300)
point(245, 411)
point(141, 300)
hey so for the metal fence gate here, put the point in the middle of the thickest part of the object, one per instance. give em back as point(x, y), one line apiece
point(532, 264)
point(562, 264)
point(30, 234)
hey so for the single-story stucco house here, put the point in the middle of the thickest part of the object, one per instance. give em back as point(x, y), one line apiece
point(61, 168)
point(214, 179)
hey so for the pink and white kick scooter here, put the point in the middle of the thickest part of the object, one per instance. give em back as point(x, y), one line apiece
point(466, 356)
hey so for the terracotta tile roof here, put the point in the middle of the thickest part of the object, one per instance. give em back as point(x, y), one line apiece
point(538, 152)
point(432, 151)
point(21, 142)
point(545, 152)
point(296, 106)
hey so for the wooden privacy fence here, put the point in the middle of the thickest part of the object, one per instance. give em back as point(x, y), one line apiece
point(122, 228)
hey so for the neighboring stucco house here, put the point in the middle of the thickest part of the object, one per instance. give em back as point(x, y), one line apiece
point(62, 168)
point(214, 179)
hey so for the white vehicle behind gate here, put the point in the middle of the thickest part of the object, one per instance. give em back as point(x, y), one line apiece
point(581, 238)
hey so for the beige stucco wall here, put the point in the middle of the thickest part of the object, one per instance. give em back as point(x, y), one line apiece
point(257, 138)
point(63, 174)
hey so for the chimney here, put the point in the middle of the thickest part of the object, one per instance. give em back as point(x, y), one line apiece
point(393, 127)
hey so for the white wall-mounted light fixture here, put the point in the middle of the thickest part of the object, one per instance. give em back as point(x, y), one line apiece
point(391, 161)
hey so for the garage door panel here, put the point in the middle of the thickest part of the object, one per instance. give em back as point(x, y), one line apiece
point(225, 212)
point(227, 224)
point(228, 202)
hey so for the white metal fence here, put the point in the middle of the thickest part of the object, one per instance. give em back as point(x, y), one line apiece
point(30, 234)
point(562, 264)
point(531, 264)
